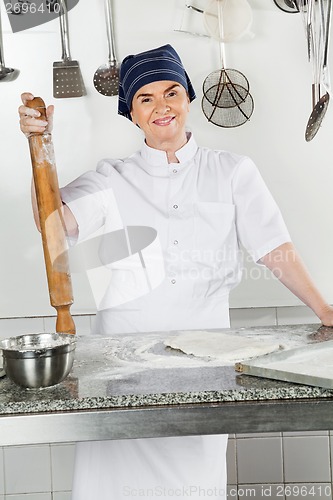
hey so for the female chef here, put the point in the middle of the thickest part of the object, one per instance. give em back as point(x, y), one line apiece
point(202, 205)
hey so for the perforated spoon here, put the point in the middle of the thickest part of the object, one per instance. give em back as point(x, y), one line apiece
point(106, 77)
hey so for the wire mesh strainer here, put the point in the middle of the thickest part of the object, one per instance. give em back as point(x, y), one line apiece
point(228, 117)
point(226, 99)
point(226, 87)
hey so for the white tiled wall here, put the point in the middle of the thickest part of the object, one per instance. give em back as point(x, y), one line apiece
point(21, 473)
point(19, 326)
point(274, 466)
point(42, 472)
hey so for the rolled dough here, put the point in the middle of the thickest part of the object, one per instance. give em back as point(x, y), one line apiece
point(221, 346)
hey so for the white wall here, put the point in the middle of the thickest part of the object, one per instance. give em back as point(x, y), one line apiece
point(299, 174)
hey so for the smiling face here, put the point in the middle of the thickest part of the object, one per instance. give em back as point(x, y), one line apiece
point(160, 109)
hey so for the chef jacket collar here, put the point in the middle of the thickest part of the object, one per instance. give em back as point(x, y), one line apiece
point(157, 158)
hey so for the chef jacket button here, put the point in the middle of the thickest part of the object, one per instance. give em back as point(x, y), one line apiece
point(173, 281)
point(175, 242)
point(175, 207)
point(175, 170)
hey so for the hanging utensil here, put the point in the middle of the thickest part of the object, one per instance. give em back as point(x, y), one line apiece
point(106, 77)
point(320, 46)
point(51, 222)
point(289, 6)
point(304, 9)
point(309, 31)
point(326, 23)
point(189, 24)
point(236, 22)
point(226, 102)
point(226, 87)
point(228, 117)
point(314, 40)
point(67, 77)
point(6, 74)
point(194, 8)
point(316, 117)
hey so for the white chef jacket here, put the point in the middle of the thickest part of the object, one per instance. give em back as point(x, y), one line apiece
point(204, 209)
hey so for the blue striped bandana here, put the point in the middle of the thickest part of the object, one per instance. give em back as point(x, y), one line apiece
point(154, 65)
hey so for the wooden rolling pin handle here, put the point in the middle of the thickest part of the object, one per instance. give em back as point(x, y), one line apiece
point(64, 323)
point(51, 222)
point(39, 105)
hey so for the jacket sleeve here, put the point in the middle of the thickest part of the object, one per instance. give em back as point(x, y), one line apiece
point(259, 222)
point(88, 198)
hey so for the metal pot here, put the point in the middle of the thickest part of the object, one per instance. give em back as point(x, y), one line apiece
point(38, 360)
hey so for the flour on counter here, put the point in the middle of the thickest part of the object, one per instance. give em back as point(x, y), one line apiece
point(221, 346)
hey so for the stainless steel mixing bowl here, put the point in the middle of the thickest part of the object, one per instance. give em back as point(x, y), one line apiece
point(38, 360)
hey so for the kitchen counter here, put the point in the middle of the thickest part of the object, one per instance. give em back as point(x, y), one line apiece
point(132, 385)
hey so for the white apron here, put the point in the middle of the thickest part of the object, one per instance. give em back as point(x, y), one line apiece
point(164, 467)
point(169, 468)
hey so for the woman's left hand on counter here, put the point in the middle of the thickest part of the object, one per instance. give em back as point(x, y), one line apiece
point(288, 267)
point(327, 316)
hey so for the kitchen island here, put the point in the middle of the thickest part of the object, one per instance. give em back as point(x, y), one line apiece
point(133, 385)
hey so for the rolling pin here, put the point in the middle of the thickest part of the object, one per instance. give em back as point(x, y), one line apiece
point(51, 222)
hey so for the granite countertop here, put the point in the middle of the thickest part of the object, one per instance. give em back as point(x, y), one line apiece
point(135, 370)
point(129, 386)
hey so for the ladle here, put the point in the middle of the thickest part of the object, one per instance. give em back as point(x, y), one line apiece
point(106, 77)
point(6, 74)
